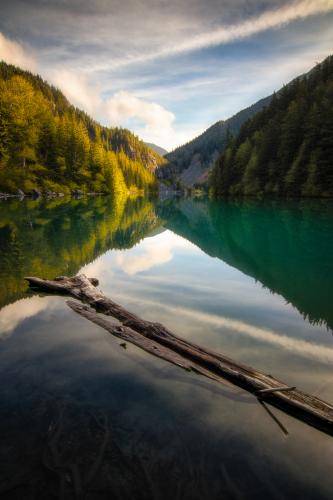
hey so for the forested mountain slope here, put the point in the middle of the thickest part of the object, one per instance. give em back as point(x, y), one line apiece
point(48, 144)
point(286, 149)
point(191, 162)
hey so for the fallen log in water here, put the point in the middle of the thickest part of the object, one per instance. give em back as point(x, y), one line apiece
point(159, 341)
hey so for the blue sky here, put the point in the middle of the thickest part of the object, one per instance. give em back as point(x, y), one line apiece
point(166, 69)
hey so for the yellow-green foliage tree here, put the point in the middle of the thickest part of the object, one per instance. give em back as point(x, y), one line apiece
point(47, 144)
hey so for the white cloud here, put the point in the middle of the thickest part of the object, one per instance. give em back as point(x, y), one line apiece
point(13, 314)
point(152, 252)
point(124, 105)
point(304, 348)
point(74, 56)
point(13, 53)
point(77, 89)
point(272, 19)
point(157, 121)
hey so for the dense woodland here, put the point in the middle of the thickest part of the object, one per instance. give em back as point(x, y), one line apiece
point(49, 145)
point(286, 149)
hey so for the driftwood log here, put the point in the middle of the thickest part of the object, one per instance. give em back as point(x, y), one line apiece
point(159, 341)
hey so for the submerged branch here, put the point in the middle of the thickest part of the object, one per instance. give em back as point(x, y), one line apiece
point(159, 341)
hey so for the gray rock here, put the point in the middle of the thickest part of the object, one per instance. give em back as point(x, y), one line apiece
point(77, 192)
point(35, 193)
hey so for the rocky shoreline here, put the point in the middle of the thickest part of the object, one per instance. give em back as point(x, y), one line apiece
point(35, 194)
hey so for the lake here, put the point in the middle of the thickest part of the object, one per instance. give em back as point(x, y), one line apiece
point(83, 417)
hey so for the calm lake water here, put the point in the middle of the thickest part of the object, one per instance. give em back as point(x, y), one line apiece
point(82, 417)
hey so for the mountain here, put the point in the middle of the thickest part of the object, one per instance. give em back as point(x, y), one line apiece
point(192, 162)
point(160, 151)
point(287, 148)
point(47, 144)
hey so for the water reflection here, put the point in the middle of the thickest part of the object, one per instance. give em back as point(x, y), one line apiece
point(49, 238)
point(104, 421)
point(108, 422)
point(287, 246)
point(152, 252)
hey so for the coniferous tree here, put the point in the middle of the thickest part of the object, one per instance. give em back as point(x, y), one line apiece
point(287, 148)
point(47, 144)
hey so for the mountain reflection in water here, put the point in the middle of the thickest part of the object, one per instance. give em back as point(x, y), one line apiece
point(81, 417)
point(286, 246)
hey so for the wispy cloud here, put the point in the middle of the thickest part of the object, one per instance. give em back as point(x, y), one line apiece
point(300, 347)
point(77, 89)
point(268, 20)
point(14, 53)
point(151, 65)
point(13, 314)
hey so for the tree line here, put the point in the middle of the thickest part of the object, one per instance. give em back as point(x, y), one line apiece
point(49, 145)
point(287, 148)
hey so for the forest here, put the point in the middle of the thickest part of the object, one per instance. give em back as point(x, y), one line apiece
point(286, 150)
point(46, 144)
point(212, 141)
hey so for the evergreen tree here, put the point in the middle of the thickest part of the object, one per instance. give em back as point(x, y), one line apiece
point(47, 144)
point(286, 149)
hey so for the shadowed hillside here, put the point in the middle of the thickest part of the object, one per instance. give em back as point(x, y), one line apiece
point(192, 161)
point(286, 150)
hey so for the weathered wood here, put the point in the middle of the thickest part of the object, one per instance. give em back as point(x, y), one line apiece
point(126, 333)
point(276, 389)
point(159, 341)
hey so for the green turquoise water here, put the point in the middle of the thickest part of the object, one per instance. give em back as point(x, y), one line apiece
point(80, 415)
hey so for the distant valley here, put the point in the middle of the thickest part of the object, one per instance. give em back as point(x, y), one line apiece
point(280, 146)
point(192, 162)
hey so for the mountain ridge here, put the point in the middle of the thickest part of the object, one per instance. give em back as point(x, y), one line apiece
point(191, 162)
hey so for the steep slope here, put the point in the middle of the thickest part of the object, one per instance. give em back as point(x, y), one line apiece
point(160, 151)
point(286, 149)
point(191, 162)
point(48, 144)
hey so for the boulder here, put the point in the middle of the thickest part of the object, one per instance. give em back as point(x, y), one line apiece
point(77, 192)
point(35, 193)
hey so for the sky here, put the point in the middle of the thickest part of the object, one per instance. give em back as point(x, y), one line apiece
point(166, 69)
